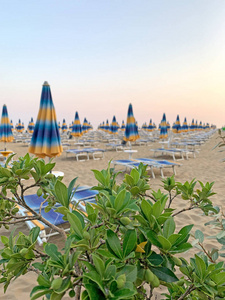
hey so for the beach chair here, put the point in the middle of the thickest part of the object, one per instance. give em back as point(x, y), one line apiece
point(160, 164)
point(131, 164)
point(172, 151)
point(81, 196)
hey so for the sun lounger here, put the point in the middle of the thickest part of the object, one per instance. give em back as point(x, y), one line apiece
point(152, 163)
point(85, 152)
point(82, 195)
point(130, 164)
point(173, 152)
point(160, 164)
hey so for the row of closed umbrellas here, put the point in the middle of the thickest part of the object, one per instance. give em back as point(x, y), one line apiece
point(45, 139)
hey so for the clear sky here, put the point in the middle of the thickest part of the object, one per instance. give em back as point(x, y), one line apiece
point(100, 55)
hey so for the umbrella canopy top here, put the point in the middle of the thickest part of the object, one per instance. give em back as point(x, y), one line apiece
point(64, 126)
point(114, 126)
point(45, 140)
point(163, 128)
point(76, 128)
point(5, 127)
point(131, 131)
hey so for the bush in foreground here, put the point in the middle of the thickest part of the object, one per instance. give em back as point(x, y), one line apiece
point(123, 247)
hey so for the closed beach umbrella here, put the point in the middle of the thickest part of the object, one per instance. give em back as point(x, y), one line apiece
point(64, 126)
point(131, 130)
point(123, 126)
point(114, 126)
point(5, 127)
point(163, 128)
point(107, 126)
point(85, 126)
point(76, 129)
point(176, 127)
point(184, 127)
point(192, 126)
point(200, 127)
point(31, 126)
point(168, 125)
point(11, 124)
point(19, 126)
point(45, 140)
point(150, 126)
point(144, 126)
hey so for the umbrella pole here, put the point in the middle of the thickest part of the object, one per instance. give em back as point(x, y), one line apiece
point(5, 146)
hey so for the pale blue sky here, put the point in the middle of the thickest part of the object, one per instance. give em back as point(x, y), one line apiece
point(98, 56)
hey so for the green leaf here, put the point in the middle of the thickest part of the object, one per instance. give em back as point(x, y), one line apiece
point(95, 277)
point(99, 176)
point(75, 224)
point(130, 272)
point(43, 281)
point(173, 238)
point(135, 190)
point(99, 264)
point(4, 240)
point(129, 179)
point(55, 296)
point(166, 245)
point(200, 266)
point(135, 175)
point(168, 227)
point(147, 209)
point(123, 294)
point(181, 248)
point(164, 274)
point(156, 209)
point(155, 259)
point(119, 200)
point(114, 243)
point(38, 295)
point(184, 234)
point(70, 188)
point(199, 236)
point(34, 233)
point(218, 278)
point(61, 193)
point(129, 243)
point(52, 251)
point(65, 285)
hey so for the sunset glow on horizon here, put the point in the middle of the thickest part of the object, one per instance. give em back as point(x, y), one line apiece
point(99, 56)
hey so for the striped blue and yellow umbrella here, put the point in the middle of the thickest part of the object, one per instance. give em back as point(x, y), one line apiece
point(114, 126)
point(107, 126)
point(192, 126)
point(11, 124)
point(150, 126)
point(184, 127)
point(163, 128)
point(45, 140)
point(19, 126)
point(144, 126)
point(64, 126)
point(76, 129)
point(30, 127)
point(200, 127)
point(131, 130)
point(176, 127)
point(85, 126)
point(168, 126)
point(5, 127)
point(123, 126)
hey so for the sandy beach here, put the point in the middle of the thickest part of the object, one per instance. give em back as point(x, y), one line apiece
point(207, 166)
